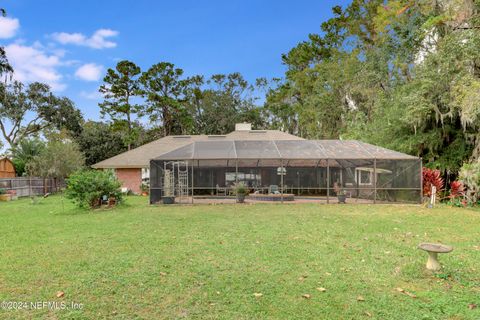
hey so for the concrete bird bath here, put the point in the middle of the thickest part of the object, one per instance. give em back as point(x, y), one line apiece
point(433, 249)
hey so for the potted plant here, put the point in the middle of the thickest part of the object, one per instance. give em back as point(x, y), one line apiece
point(3, 195)
point(112, 200)
point(342, 196)
point(144, 188)
point(240, 191)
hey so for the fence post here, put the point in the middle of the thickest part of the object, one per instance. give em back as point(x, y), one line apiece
point(328, 181)
point(374, 180)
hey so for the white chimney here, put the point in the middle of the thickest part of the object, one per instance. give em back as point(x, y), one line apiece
point(243, 126)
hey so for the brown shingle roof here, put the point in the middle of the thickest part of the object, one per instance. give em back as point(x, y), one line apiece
point(140, 157)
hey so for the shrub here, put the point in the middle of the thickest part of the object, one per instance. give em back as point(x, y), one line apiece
point(86, 188)
point(240, 188)
point(3, 191)
point(456, 197)
point(57, 160)
point(456, 189)
point(469, 175)
point(431, 178)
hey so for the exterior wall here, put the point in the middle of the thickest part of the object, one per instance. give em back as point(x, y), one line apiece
point(130, 178)
point(7, 170)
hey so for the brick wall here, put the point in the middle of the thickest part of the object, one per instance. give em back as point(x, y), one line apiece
point(130, 178)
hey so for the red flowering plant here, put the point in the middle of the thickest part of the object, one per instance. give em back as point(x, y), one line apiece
point(431, 177)
point(457, 194)
point(456, 189)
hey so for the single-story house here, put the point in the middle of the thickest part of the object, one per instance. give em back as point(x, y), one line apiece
point(132, 167)
point(267, 161)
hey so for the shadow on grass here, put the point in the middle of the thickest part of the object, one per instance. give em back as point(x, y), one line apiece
point(69, 211)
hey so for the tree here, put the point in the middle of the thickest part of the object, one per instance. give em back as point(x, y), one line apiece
point(65, 116)
point(59, 159)
point(229, 99)
point(121, 88)
point(98, 141)
point(469, 175)
point(401, 74)
point(27, 110)
point(167, 96)
point(5, 67)
point(24, 152)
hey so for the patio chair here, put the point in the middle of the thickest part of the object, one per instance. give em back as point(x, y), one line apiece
point(221, 191)
point(273, 189)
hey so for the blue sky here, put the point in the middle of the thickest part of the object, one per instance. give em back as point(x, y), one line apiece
point(70, 44)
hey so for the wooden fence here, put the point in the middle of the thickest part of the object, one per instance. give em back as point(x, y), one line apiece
point(29, 186)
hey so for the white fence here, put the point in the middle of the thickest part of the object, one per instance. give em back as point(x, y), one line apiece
point(28, 186)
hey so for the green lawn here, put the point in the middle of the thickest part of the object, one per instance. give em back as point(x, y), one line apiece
point(206, 262)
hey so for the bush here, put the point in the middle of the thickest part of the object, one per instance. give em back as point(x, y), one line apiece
point(86, 188)
point(57, 160)
point(431, 178)
point(3, 191)
point(469, 175)
point(457, 194)
point(240, 188)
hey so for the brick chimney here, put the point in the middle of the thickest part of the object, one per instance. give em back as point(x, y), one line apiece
point(243, 126)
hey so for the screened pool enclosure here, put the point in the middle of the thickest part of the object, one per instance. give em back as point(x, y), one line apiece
point(304, 169)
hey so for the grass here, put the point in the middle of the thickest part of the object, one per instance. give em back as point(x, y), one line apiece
point(206, 262)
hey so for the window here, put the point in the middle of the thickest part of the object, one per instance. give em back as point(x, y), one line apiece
point(364, 177)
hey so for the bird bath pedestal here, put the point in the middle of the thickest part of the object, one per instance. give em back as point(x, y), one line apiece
point(433, 249)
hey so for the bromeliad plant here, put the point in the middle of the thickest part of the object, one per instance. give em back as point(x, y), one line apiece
point(431, 177)
point(456, 189)
point(457, 194)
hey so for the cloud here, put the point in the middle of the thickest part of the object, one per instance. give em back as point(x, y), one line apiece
point(8, 27)
point(97, 41)
point(32, 63)
point(94, 95)
point(89, 72)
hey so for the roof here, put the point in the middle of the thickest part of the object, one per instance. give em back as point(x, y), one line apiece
point(140, 157)
point(6, 158)
point(281, 149)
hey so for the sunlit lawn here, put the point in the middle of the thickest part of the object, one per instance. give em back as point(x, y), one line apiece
point(206, 262)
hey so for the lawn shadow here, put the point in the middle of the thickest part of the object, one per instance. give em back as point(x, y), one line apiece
point(103, 209)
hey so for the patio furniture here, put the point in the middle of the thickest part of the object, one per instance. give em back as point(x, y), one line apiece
point(273, 189)
point(221, 191)
point(272, 197)
point(433, 249)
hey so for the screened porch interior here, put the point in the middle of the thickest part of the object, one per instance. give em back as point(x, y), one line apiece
point(306, 169)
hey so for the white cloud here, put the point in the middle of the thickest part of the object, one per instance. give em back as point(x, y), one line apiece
point(97, 41)
point(94, 95)
point(89, 72)
point(8, 27)
point(32, 63)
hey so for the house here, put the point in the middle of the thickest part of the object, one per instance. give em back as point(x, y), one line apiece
point(199, 166)
point(132, 167)
point(7, 169)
